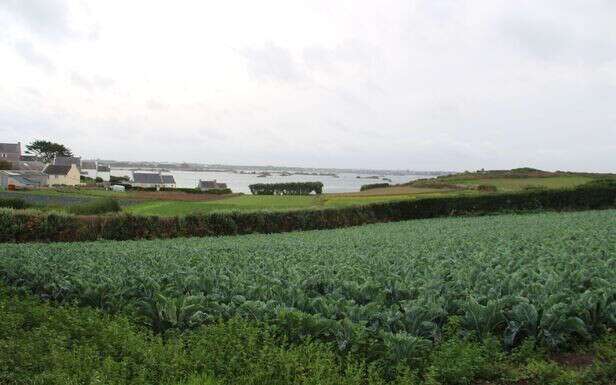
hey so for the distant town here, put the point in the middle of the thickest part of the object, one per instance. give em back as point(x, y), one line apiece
point(22, 169)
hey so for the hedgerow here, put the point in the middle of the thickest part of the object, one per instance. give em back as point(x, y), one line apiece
point(14, 203)
point(218, 191)
point(373, 186)
point(291, 188)
point(27, 227)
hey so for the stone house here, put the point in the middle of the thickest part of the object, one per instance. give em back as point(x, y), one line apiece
point(63, 175)
point(10, 152)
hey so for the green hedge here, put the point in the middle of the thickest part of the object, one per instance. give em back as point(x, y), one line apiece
point(486, 188)
point(219, 191)
point(94, 207)
point(292, 188)
point(14, 203)
point(373, 185)
point(16, 226)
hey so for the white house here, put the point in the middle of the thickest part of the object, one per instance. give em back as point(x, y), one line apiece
point(63, 175)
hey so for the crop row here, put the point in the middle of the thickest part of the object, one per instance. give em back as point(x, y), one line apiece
point(546, 276)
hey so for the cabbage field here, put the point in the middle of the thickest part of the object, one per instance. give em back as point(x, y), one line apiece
point(548, 276)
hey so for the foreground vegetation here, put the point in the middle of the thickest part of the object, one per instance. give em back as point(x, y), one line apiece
point(44, 344)
point(447, 301)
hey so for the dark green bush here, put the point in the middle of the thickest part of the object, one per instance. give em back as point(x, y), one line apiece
point(603, 182)
point(291, 188)
point(220, 191)
point(373, 185)
point(95, 207)
point(14, 203)
point(486, 188)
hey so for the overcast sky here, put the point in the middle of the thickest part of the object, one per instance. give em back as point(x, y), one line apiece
point(432, 84)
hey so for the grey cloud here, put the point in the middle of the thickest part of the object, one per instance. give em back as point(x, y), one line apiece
point(546, 39)
point(316, 57)
point(156, 105)
point(80, 81)
point(349, 52)
point(27, 51)
point(272, 63)
point(32, 91)
point(90, 84)
point(563, 37)
point(46, 18)
point(422, 84)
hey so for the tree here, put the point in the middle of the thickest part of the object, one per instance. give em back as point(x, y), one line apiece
point(47, 151)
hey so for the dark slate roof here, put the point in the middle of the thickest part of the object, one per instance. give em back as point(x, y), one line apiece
point(67, 161)
point(152, 178)
point(23, 180)
point(211, 184)
point(103, 169)
point(54, 169)
point(207, 184)
point(143, 177)
point(10, 148)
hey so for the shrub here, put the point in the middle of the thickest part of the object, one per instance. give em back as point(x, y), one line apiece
point(456, 362)
point(14, 203)
point(373, 185)
point(432, 183)
point(531, 187)
point(94, 207)
point(220, 191)
point(603, 182)
point(292, 188)
point(486, 188)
